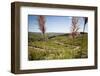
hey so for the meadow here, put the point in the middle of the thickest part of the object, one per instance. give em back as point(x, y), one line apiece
point(56, 46)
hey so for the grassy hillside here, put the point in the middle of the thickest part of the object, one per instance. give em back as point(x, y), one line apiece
point(56, 46)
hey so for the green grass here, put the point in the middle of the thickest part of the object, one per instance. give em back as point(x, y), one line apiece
point(58, 47)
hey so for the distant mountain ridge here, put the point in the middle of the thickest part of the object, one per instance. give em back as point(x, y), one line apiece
point(54, 33)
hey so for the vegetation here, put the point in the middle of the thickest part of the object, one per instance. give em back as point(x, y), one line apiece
point(57, 46)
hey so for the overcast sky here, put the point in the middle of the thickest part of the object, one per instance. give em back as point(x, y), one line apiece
point(60, 24)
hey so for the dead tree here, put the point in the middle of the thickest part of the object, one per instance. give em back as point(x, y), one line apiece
point(42, 28)
point(74, 27)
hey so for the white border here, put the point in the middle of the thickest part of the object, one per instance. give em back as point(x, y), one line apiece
point(25, 64)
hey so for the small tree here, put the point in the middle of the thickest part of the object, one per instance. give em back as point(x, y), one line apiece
point(74, 27)
point(41, 20)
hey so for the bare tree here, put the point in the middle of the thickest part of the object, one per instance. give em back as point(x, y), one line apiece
point(74, 27)
point(42, 23)
point(42, 28)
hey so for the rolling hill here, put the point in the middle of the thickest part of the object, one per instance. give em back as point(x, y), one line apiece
point(56, 46)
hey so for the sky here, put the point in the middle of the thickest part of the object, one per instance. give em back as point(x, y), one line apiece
point(57, 24)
